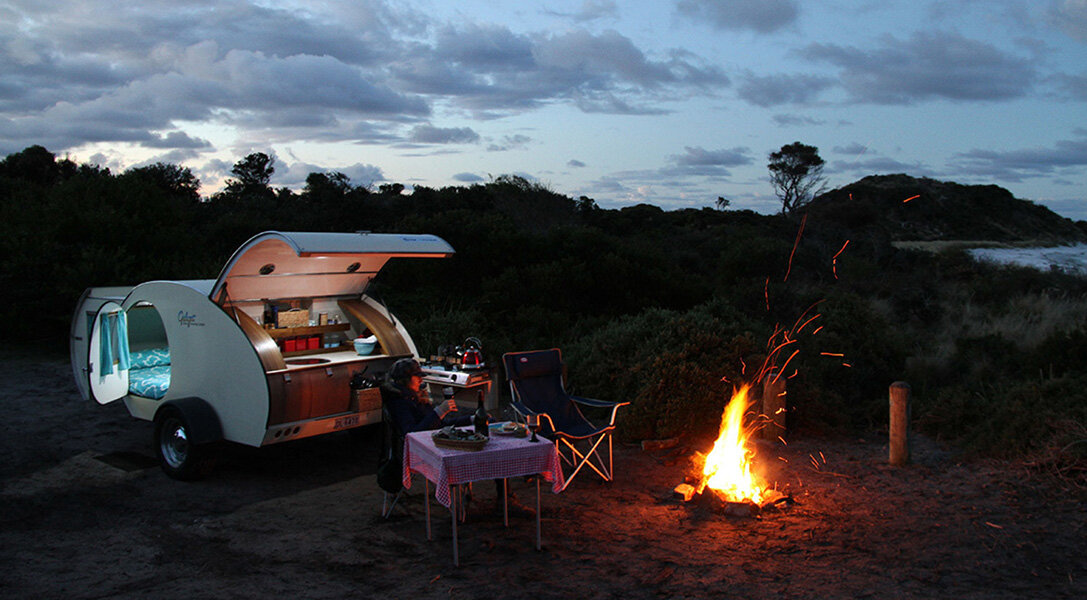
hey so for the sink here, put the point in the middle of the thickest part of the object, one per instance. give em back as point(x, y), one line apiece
point(306, 361)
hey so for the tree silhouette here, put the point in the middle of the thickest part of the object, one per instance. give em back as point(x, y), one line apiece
point(249, 190)
point(254, 170)
point(796, 172)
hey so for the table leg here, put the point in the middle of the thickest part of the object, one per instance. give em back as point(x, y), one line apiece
point(506, 502)
point(537, 512)
point(426, 495)
point(453, 513)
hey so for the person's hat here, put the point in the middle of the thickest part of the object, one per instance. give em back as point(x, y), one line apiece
point(404, 368)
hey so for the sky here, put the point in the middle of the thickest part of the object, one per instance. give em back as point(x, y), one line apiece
point(668, 102)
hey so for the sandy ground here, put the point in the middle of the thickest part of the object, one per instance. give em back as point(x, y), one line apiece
point(303, 520)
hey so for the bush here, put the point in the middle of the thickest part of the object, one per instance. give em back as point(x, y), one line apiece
point(1015, 419)
point(676, 368)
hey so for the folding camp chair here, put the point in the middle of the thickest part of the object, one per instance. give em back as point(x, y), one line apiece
point(537, 387)
point(390, 471)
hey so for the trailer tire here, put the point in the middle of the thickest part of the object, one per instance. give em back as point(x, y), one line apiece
point(181, 453)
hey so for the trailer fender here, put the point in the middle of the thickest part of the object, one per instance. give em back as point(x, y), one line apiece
point(204, 426)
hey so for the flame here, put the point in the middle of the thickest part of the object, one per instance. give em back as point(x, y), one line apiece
point(728, 466)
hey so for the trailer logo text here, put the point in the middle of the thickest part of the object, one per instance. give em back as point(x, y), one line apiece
point(186, 320)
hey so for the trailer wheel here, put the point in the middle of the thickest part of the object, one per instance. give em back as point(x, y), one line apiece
point(179, 456)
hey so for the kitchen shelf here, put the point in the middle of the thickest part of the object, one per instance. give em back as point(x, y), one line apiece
point(287, 332)
point(340, 348)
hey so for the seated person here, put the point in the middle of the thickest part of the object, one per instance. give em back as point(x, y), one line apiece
point(410, 410)
point(409, 407)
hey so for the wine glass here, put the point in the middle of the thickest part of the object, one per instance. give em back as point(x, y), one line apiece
point(533, 423)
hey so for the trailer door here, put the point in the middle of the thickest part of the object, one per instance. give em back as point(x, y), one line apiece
point(107, 360)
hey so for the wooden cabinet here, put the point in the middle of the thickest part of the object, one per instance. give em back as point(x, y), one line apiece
point(309, 393)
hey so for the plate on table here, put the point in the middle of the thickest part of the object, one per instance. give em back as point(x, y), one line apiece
point(509, 428)
point(451, 437)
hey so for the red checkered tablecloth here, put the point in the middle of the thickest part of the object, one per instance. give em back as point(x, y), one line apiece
point(501, 457)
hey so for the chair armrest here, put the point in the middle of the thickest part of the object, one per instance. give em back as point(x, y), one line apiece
point(520, 408)
point(523, 411)
point(593, 402)
point(597, 403)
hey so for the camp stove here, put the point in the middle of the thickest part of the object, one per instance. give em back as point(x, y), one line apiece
point(462, 373)
point(442, 376)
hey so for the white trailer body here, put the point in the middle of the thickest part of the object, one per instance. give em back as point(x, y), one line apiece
point(197, 358)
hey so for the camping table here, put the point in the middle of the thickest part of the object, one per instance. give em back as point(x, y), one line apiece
point(502, 457)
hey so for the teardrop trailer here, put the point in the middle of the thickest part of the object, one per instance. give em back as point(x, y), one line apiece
point(261, 355)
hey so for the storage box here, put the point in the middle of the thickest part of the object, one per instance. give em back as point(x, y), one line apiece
point(313, 342)
point(366, 399)
point(290, 345)
point(292, 318)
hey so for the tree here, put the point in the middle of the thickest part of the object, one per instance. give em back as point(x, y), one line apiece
point(37, 165)
point(391, 189)
point(796, 172)
point(722, 203)
point(254, 170)
point(249, 190)
point(320, 184)
point(173, 179)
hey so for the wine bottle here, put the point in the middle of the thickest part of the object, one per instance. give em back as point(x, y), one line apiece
point(480, 418)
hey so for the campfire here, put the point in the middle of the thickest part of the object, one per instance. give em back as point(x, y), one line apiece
point(725, 480)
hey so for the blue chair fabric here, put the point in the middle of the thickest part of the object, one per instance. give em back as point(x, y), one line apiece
point(537, 386)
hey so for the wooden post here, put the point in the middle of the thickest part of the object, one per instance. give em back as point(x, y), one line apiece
point(773, 405)
point(900, 423)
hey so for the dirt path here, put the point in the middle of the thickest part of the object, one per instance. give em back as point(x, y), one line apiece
point(303, 520)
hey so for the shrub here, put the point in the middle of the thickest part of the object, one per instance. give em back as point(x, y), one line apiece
point(672, 366)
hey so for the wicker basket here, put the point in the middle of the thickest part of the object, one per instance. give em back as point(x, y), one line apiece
point(295, 317)
point(472, 445)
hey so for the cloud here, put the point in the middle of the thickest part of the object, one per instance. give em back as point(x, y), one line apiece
point(699, 161)
point(852, 149)
point(762, 16)
point(70, 76)
point(252, 80)
point(1021, 164)
point(879, 165)
point(574, 163)
point(926, 66)
point(784, 120)
point(429, 134)
point(1070, 16)
point(489, 68)
point(510, 142)
point(772, 90)
point(176, 139)
point(467, 178)
point(1074, 87)
point(355, 71)
point(591, 10)
point(293, 175)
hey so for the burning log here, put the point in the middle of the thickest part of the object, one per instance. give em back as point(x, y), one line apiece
point(686, 490)
point(717, 502)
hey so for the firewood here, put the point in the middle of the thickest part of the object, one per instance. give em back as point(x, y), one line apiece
point(685, 490)
point(650, 445)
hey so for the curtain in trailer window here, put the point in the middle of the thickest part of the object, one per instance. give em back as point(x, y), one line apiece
point(113, 343)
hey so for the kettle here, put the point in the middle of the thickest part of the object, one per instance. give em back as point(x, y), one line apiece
point(471, 356)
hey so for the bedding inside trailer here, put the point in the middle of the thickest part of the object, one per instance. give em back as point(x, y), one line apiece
point(149, 352)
